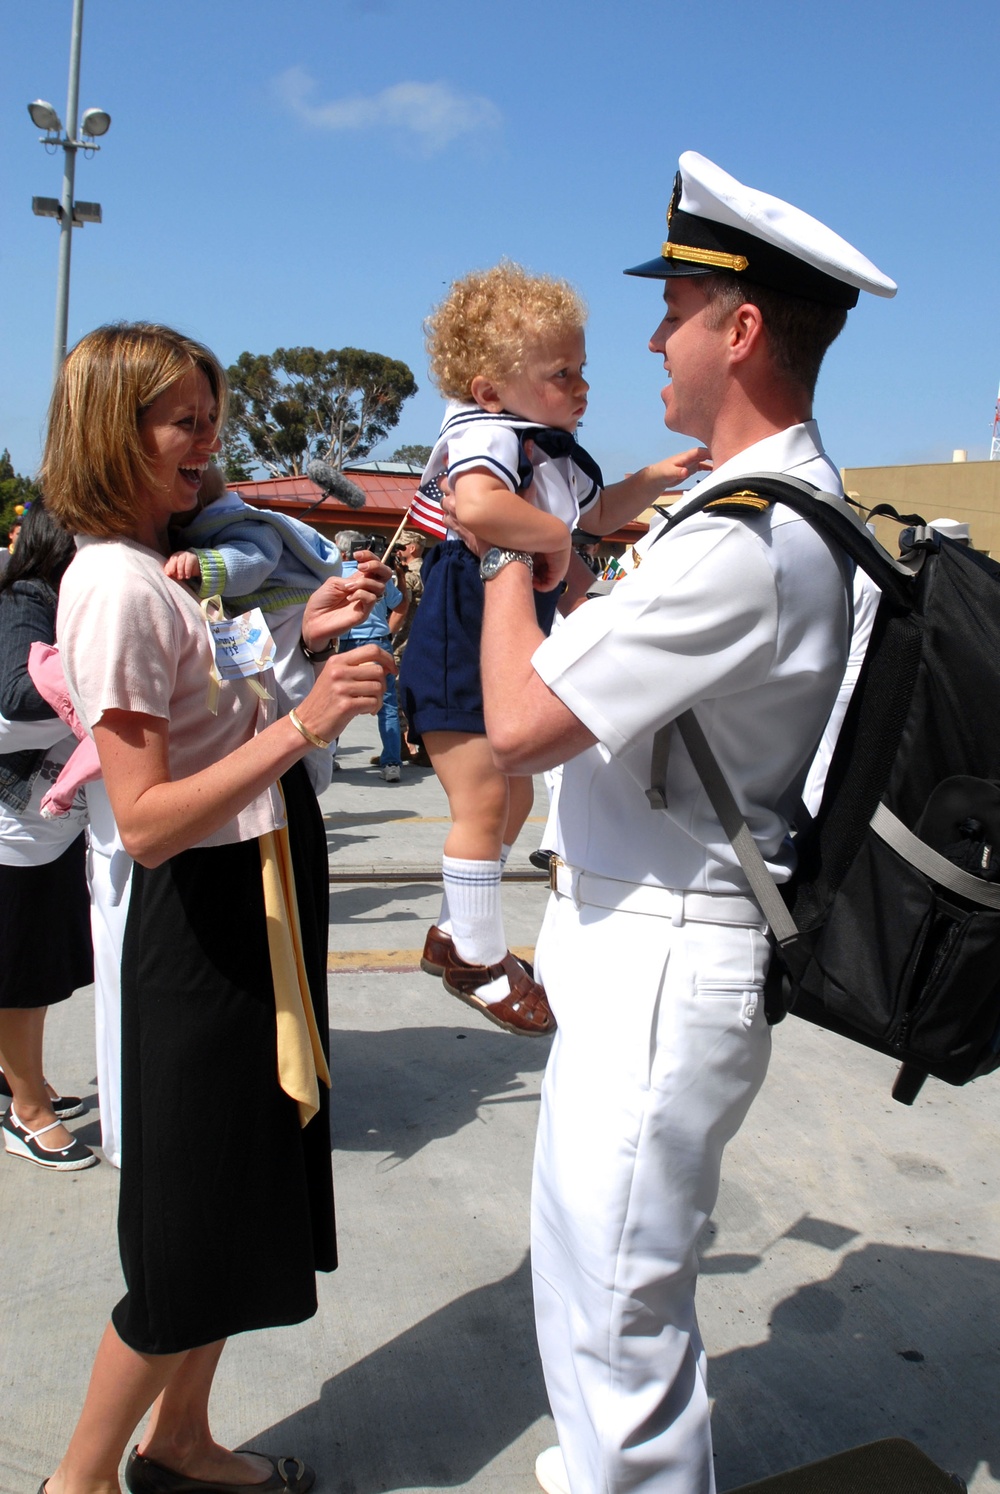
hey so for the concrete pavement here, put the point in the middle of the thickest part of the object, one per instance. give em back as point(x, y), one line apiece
point(851, 1281)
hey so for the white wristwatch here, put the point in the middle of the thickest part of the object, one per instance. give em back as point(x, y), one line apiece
point(495, 559)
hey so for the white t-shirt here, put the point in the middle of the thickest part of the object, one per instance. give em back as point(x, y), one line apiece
point(133, 640)
point(26, 837)
point(471, 437)
point(745, 618)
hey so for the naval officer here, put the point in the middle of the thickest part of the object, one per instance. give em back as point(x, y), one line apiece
point(652, 952)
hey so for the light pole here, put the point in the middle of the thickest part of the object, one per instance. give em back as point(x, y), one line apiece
point(70, 214)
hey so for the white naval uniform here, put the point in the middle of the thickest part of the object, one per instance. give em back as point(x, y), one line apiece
point(653, 957)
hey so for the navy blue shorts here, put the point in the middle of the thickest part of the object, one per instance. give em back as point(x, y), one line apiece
point(439, 685)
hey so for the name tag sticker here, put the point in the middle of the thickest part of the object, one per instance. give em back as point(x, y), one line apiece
point(242, 648)
point(242, 645)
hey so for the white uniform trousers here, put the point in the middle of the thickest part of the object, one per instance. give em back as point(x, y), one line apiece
point(109, 872)
point(661, 1047)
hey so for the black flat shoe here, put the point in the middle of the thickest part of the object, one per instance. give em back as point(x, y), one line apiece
point(64, 1106)
point(144, 1476)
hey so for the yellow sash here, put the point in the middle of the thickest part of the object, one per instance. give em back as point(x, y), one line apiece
point(301, 1060)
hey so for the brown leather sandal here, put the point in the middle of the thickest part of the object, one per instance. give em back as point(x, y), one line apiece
point(525, 1010)
point(438, 950)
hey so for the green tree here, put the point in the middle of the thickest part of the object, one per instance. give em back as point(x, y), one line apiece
point(15, 490)
point(297, 404)
point(417, 456)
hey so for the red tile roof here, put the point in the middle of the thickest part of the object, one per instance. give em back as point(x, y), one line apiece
point(388, 496)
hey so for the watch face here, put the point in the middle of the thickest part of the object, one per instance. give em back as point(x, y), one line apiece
point(491, 563)
point(495, 559)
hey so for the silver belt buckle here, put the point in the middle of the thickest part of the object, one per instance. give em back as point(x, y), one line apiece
point(554, 865)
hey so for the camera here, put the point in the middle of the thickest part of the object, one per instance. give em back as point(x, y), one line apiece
point(373, 542)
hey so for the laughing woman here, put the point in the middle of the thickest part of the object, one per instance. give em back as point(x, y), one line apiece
point(226, 1206)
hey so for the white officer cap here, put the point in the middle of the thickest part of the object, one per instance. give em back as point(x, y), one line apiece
point(716, 223)
point(952, 529)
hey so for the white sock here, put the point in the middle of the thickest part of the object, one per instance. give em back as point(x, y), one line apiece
point(444, 917)
point(473, 892)
point(504, 854)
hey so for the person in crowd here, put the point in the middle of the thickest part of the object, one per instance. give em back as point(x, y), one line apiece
point(588, 551)
point(380, 627)
point(410, 550)
point(223, 1219)
point(345, 540)
point(507, 351)
point(412, 545)
point(44, 907)
point(652, 952)
point(252, 557)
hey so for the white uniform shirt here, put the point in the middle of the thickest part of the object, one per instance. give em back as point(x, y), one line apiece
point(745, 618)
point(471, 437)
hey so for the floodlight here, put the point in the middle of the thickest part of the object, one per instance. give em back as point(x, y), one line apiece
point(44, 116)
point(95, 122)
point(46, 207)
point(86, 212)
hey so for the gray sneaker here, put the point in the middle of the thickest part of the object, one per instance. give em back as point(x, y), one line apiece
point(391, 772)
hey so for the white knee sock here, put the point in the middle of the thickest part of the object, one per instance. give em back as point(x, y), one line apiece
point(472, 889)
point(444, 916)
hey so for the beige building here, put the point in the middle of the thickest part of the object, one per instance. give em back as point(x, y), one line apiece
point(959, 489)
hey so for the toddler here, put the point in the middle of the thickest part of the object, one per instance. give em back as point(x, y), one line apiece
point(507, 350)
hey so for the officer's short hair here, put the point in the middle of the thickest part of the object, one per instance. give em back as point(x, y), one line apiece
point(798, 331)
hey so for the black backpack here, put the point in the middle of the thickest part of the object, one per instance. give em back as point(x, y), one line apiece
point(889, 931)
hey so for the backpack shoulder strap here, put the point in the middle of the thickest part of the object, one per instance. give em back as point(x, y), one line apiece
point(762, 884)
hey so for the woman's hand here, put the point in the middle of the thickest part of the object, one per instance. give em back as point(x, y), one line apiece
point(343, 601)
point(348, 685)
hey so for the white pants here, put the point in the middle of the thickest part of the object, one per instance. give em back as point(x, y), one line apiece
point(109, 872)
point(661, 1047)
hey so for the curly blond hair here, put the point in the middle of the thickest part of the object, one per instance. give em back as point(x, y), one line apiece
point(490, 320)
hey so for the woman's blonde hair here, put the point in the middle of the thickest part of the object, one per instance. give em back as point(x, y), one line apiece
point(490, 320)
point(95, 472)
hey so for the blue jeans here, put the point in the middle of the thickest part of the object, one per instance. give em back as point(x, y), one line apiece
point(388, 716)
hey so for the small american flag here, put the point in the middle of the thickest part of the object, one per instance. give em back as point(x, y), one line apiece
point(426, 512)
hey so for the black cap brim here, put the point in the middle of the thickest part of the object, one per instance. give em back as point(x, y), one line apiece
point(668, 269)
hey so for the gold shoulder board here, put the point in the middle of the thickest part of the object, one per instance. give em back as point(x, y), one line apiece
point(745, 502)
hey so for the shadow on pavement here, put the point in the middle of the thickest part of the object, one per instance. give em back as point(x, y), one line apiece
point(421, 1412)
point(920, 1325)
point(400, 1089)
point(350, 904)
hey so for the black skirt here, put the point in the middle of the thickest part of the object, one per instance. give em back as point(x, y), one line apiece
point(440, 688)
point(45, 930)
point(226, 1203)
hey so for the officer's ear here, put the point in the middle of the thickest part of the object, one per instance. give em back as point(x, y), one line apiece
point(747, 333)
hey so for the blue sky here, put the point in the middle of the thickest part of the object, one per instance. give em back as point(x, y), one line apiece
point(317, 172)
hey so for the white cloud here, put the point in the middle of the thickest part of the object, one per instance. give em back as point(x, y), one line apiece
point(433, 114)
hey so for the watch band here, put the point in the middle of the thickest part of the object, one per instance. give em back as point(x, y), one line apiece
point(317, 655)
point(495, 559)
